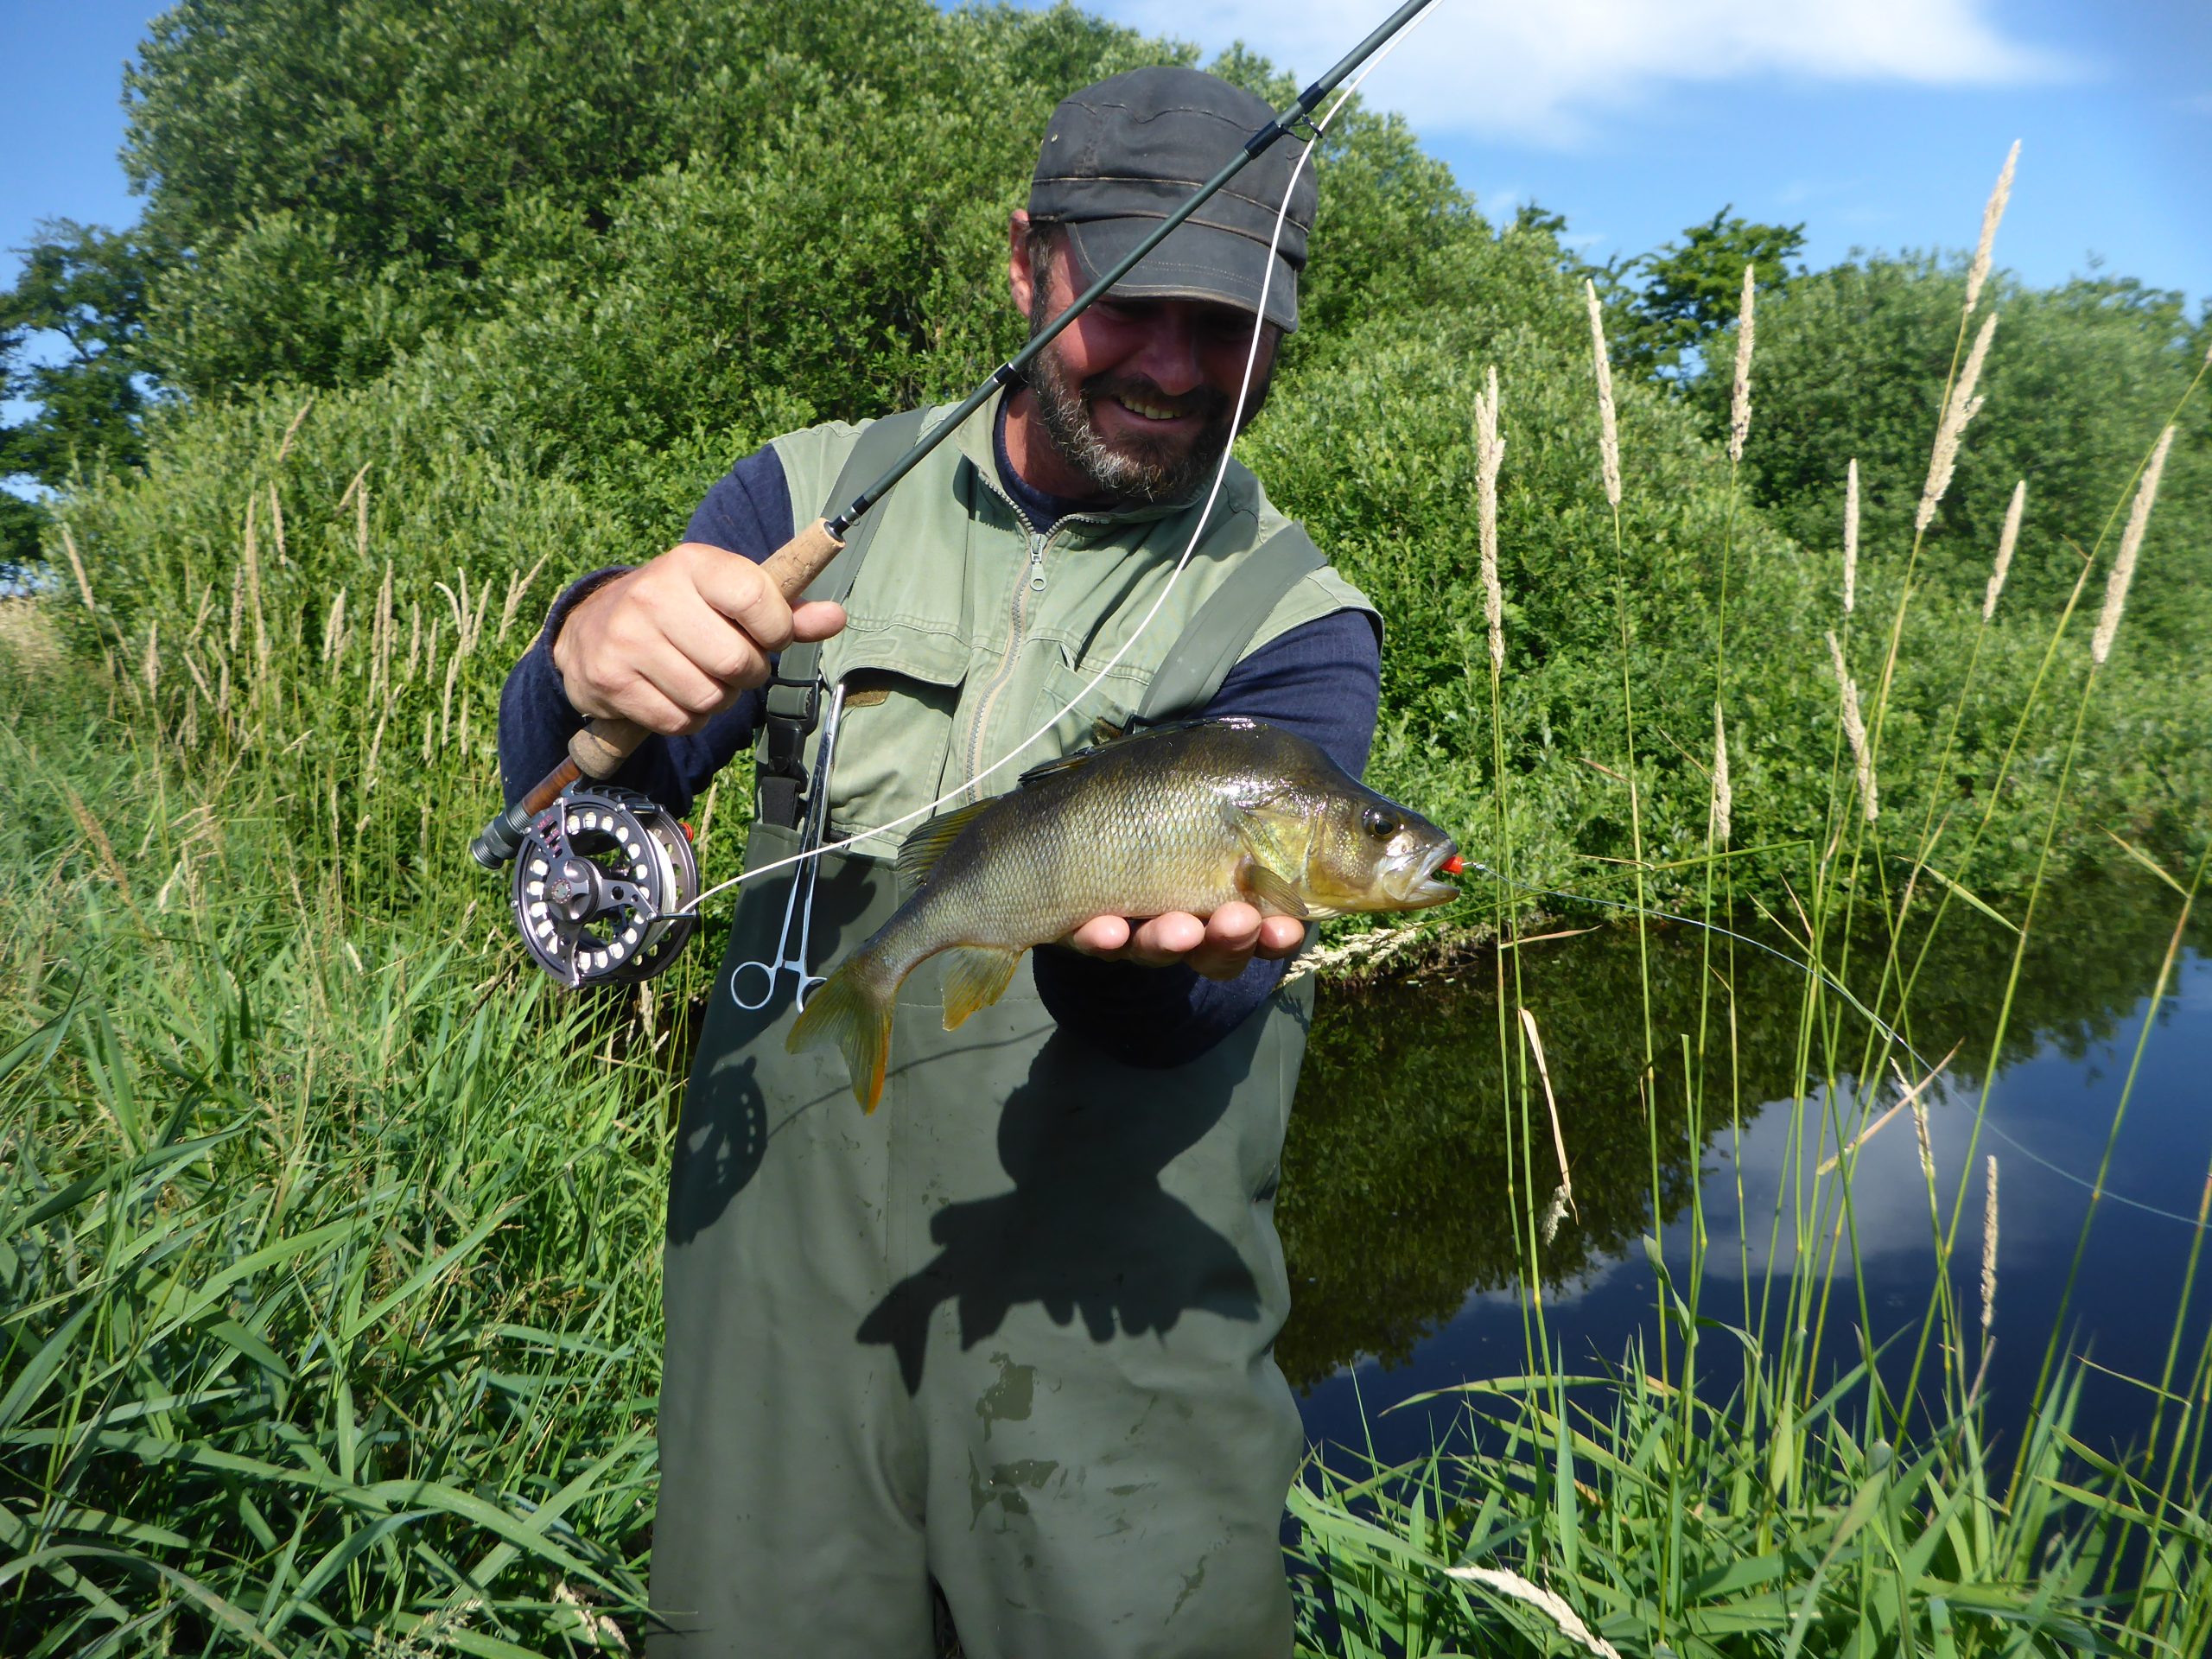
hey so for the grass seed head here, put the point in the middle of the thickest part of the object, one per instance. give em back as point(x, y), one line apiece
point(1490, 454)
point(1554, 1213)
point(1739, 403)
point(1959, 408)
point(2007, 540)
point(1991, 213)
point(1723, 796)
point(1851, 535)
point(1854, 730)
point(77, 569)
point(2131, 544)
point(1989, 1250)
point(1609, 437)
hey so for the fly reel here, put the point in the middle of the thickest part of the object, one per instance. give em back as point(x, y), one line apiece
point(603, 887)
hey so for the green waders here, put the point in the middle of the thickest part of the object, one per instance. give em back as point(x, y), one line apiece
point(1012, 1333)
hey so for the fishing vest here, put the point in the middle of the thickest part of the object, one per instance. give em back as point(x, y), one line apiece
point(969, 631)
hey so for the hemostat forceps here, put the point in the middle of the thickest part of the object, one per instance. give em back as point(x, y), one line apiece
point(800, 903)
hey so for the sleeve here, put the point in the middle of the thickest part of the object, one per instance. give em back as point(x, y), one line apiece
point(1322, 681)
point(748, 512)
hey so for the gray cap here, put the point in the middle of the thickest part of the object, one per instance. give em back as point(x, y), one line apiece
point(1121, 156)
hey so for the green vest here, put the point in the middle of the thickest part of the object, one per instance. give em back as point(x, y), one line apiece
point(967, 630)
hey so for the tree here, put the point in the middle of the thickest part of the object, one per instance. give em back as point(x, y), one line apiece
point(1692, 289)
point(1852, 364)
point(85, 286)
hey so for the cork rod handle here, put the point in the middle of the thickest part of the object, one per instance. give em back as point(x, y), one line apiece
point(601, 747)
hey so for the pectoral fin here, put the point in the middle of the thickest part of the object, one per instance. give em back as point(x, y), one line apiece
point(975, 976)
point(1269, 891)
point(1265, 856)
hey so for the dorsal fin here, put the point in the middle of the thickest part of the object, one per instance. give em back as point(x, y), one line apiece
point(920, 852)
point(1107, 735)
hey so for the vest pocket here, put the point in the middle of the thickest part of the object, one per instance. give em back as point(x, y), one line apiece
point(1114, 700)
point(892, 746)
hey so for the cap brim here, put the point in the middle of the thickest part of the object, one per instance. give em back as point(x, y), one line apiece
point(1196, 262)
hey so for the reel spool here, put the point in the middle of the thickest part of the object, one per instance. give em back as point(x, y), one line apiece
point(603, 880)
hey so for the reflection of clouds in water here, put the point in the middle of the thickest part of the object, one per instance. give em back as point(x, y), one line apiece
point(1889, 1192)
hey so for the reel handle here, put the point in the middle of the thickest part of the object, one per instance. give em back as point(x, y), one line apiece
point(598, 750)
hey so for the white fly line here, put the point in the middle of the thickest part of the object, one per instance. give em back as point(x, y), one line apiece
point(1221, 475)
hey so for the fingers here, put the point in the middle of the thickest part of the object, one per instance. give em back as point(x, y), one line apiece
point(678, 640)
point(1280, 937)
point(1102, 936)
point(1232, 933)
point(1219, 948)
point(739, 591)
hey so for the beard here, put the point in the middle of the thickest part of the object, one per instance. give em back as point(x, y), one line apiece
point(1154, 472)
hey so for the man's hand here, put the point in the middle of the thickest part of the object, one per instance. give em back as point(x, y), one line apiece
point(678, 640)
point(1219, 948)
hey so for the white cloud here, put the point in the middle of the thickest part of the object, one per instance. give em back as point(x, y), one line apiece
point(1546, 73)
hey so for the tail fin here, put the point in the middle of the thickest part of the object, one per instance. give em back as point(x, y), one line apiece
point(853, 1009)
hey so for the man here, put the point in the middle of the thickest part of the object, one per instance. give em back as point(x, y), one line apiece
point(1011, 1334)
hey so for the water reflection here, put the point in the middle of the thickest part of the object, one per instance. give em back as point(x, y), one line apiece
point(1394, 1207)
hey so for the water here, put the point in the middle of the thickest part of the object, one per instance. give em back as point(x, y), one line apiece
point(1401, 1240)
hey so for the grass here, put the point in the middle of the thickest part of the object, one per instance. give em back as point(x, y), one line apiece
point(329, 1270)
point(1768, 1497)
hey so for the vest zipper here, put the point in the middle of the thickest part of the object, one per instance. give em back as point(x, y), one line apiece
point(1035, 584)
point(1013, 657)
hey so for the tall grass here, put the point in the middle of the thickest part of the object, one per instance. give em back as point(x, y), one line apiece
point(1768, 1497)
point(329, 1297)
point(329, 1310)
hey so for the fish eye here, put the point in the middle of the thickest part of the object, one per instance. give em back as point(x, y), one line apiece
point(1379, 824)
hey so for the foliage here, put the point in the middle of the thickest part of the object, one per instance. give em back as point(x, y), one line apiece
point(1690, 290)
point(316, 1320)
point(1852, 363)
point(85, 288)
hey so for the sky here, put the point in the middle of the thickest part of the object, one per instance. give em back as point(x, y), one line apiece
point(1877, 124)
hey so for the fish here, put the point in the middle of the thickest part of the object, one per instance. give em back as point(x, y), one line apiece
point(1187, 817)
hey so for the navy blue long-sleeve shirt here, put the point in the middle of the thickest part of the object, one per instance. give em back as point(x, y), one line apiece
point(1320, 681)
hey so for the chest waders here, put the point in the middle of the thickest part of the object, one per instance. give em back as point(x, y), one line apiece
point(1013, 1333)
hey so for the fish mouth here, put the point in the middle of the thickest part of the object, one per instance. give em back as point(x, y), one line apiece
point(1432, 885)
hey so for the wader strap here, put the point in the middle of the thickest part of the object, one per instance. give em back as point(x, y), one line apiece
point(792, 698)
point(1208, 648)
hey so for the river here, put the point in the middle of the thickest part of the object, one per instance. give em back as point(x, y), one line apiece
point(1400, 1239)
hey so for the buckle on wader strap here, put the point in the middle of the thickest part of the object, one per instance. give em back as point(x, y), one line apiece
point(793, 709)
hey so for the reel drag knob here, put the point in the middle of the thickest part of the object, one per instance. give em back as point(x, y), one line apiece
point(603, 885)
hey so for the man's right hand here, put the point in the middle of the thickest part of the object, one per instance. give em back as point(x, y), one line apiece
point(677, 641)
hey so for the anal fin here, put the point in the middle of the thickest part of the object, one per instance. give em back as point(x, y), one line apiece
point(975, 975)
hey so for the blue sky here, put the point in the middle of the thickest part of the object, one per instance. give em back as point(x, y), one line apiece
point(1878, 124)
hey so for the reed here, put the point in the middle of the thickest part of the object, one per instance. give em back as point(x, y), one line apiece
point(1854, 731)
point(2007, 539)
point(1958, 408)
point(1851, 537)
point(2130, 548)
point(1739, 398)
point(1993, 215)
point(1490, 451)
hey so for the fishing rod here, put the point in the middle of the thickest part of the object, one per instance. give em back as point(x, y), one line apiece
point(606, 884)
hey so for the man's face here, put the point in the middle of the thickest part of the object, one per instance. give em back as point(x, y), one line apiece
point(1137, 395)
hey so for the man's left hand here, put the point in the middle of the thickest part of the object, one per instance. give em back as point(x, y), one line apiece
point(1219, 947)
